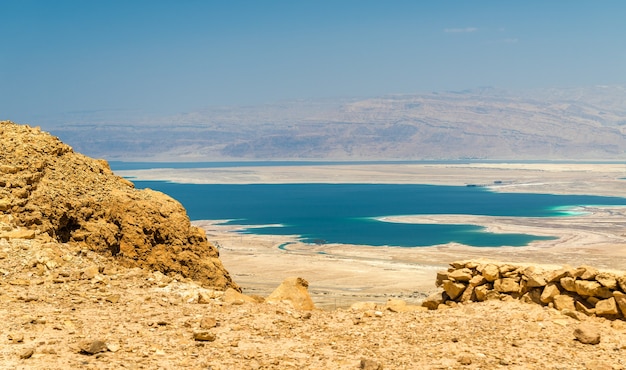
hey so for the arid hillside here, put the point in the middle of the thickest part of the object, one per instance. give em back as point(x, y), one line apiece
point(55, 194)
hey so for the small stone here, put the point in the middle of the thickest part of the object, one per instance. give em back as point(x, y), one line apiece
point(113, 347)
point(367, 364)
point(363, 306)
point(587, 334)
point(573, 314)
point(92, 347)
point(16, 337)
point(432, 301)
point(90, 272)
point(204, 336)
point(113, 298)
point(208, 323)
point(27, 353)
point(464, 360)
point(19, 282)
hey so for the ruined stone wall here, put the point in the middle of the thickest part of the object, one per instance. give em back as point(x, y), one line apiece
point(581, 290)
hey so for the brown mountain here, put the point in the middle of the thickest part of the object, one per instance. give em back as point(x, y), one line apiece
point(585, 123)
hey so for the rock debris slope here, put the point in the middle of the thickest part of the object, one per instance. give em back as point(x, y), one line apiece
point(53, 192)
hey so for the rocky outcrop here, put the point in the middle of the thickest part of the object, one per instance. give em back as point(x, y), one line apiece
point(571, 290)
point(53, 193)
point(294, 290)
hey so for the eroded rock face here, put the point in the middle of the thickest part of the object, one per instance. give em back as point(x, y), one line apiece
point(59, 194)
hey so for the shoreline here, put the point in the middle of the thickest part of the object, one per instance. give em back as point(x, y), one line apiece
point(340, 274)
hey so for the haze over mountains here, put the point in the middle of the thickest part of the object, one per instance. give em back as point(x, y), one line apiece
point(550, 124)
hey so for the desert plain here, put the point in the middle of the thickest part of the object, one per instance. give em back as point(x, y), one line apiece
point(340, 274)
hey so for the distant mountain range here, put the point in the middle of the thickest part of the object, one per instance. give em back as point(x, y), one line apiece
point(486, 123)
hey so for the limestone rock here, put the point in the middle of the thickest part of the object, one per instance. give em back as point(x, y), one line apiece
point(468, 294)
point(433, 301)
point(621, 281)
point(481, 292)
point(57, 193)
point(477, 280)
point(568, 283)
point(535, 281)
point(588, 272)
point(606, 307)
point(232, 296)
point(367, 364)
point(549, 292)
point(453, 289)
point(564, 302)
point(585, 308)
point(587, 334)
point(363, 306)
point(18, 234)
point(556, 275)
point(463, 275)
point(620, 300)
point(441, 276)
point(89, 347)
point(208, 323)
point(295, 291)
point(587, 288)
point(27, 353)
point(606, 279)
point(491, 272)
point(506, 285)
point(204, 336)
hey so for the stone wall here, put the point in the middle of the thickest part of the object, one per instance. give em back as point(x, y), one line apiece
point(575, 291)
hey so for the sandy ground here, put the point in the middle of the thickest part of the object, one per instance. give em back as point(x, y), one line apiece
point(342, 274)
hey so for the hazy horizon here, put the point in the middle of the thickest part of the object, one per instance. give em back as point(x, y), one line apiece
point(165, 57)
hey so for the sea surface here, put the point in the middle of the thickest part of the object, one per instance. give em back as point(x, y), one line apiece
point(348, 213)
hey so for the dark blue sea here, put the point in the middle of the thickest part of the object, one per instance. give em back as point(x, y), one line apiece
point(346, 213)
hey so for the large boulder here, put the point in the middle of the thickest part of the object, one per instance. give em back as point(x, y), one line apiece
point(59, 194)
point(293, 290)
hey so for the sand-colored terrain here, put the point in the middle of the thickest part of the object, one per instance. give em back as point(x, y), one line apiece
point(342, 274)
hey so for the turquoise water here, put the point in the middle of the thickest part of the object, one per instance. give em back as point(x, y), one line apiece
point(345, 213)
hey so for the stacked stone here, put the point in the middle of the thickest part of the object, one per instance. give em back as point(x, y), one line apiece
point(583, 289)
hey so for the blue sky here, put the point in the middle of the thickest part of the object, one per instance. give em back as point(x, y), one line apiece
point(166, 57)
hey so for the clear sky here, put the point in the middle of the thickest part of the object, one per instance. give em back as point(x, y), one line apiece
point(166, 57)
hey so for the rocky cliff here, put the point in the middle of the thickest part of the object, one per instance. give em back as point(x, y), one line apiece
point(52, 192)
